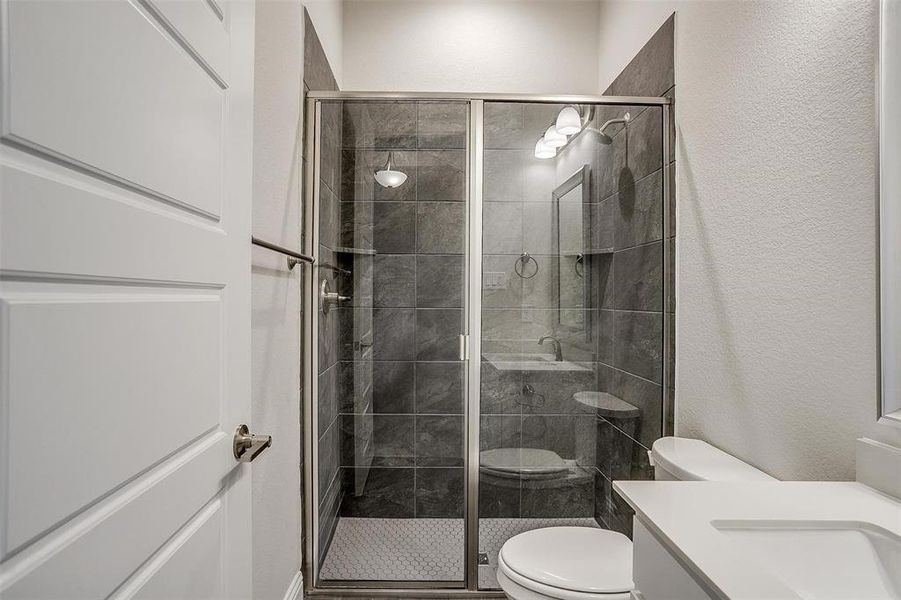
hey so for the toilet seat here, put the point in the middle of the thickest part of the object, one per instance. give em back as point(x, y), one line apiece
point(567, 563)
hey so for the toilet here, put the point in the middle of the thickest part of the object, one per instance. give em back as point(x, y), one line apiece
point(584, 563)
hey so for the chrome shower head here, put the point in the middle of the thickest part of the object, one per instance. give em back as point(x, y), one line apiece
point(606, 139)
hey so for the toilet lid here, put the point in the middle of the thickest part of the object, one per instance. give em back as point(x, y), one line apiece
point(582, 559)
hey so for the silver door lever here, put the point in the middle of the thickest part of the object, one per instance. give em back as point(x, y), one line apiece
point(247, 446)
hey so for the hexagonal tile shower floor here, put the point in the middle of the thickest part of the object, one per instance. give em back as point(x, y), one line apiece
point(420, 549)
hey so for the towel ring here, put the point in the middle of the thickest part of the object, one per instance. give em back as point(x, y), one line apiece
point(519, 265)
point(579, 265)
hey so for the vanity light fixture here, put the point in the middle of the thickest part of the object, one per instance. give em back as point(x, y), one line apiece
point(569, 121)
point(543, 150)
point(554, 139)
point(388, 177)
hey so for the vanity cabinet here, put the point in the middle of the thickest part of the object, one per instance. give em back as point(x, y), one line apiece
point(657, 574)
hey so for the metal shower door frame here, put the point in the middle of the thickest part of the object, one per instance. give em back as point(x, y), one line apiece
point(470, 347)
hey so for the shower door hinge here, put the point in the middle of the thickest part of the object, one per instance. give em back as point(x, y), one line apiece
point(464, 346)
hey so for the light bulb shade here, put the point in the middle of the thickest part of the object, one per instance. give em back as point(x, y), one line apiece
point(390, 178)
point(569, 121)
point(554, 139)
point(542, 150)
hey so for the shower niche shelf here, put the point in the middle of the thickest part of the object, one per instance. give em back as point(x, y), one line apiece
point(360, 251)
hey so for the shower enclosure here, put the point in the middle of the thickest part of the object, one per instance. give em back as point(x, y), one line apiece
point(487, 333)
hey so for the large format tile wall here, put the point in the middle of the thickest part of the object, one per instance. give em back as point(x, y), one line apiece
point(317, 75)
point(527, 408)
point(628, 217)
point(416, 232)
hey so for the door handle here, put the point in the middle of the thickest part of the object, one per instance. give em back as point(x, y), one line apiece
point(248, 446)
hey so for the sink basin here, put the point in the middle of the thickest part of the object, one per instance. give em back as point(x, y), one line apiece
point(511, 361)
point(823, 559)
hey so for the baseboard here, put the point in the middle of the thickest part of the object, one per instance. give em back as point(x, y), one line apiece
point(295, 590)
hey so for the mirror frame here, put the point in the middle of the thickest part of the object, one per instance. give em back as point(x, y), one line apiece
point(581, 177)
point(888, 94)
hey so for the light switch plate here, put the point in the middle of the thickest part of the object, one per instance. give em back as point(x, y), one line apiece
point(495, 281)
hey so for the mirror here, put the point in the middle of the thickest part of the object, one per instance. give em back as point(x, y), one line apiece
point(889, 98)
point(570, 201)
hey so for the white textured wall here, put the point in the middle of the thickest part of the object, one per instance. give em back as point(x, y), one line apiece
point(776, 255)
point(504, 46)
point(276, 296)
point(328, 19)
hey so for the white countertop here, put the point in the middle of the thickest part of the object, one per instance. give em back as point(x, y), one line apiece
point(679, 513)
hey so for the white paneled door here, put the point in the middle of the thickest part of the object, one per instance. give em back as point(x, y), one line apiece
point(125, 177)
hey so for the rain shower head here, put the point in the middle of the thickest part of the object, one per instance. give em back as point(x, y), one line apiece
point(602, 135)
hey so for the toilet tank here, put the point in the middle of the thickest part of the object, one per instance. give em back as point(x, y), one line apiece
point(683, 459)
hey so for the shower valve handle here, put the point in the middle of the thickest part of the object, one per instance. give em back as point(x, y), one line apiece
point(327, 297)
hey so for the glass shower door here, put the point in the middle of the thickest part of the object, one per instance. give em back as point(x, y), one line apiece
point(392, 201)
point(570, 364)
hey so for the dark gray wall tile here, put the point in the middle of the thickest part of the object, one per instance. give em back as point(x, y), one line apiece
point(380, 124)
point(356, 224)
point(556, 433)
point(500, 431)
point(328, 513)
point(391, 438)
point(604, 335)
point(329, 457)
point(437, 333)
point(355, 386)
point(645, 396)
point(330, 145)
point(614, 451)
point(394, 227)
point(511, 294)
point(358, 169)
point(439, 281)
point(393, 334)
point(639, 218)
point(388, 493)
point(439, 441)
point(638, 277)
point(555, 498)
point(439, 227)
point(441, 175)
point(328, 397)
point(392, 386)
point(439, 387)
point(499, 497)
point(613, 171)
point(442, 124)
point(439, 493)
point(602, 217)
point(537, 227)
point(639, 339)
point(645, 149)
point(558, 388)
point(500, 391)
point(393, 442)
point(502, 174)
point(394, 278)
point(504, 124)
point(502, 228)
point(601, 293)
